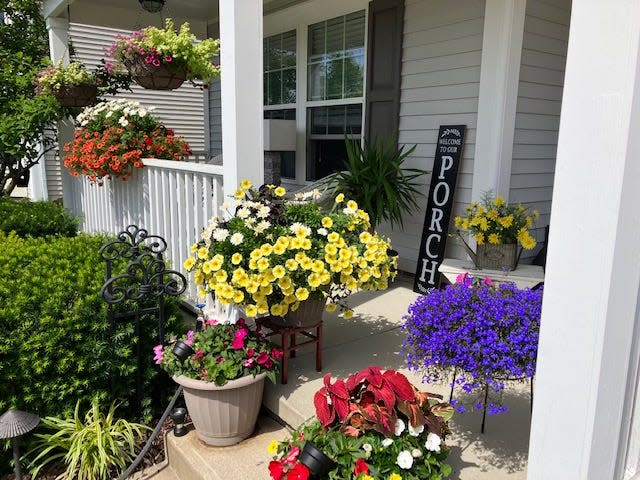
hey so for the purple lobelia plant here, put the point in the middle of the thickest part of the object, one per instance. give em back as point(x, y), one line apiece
point(488, 333)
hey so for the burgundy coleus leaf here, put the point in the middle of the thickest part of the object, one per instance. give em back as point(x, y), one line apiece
point(399, 384)
point(372, 375)
point(331, 400)
point(413, 411)
point(324, 410)
point(384, 394)
point(340, 397)
point(381, 419)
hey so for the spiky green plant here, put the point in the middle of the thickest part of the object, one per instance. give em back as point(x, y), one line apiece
point(375, 178)
point(91, 447)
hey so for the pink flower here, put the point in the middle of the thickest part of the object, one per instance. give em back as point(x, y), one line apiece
point(148, 59)
point(268, 364)
point(249, 362)
point(462, 277)
point(242, 322)
point(168, 58)
point(238, 339)
point(189, 340)
point(263, 358)
point(156, 62)
point(220, 360)
point(158, 351)
point(488, 281)
point(276, 353)
point(211, 322)
point(250, 352)
point(292, 457)
point(199, 354)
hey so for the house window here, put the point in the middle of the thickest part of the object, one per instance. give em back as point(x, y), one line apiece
point(280, 69)
point(336, 58)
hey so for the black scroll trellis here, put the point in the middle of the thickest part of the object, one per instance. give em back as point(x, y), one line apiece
point(145, 279)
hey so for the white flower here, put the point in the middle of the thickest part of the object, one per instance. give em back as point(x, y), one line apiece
point(108, 114)
point(323, 231)
point(348, 211)
point(299, 229)
point(367, 447)
point(249, 222)
point(416, 453)
point(142, 112)
point(243, 212)
point(262, 226)
point(220, 234)
point(263, 212)
point(123, 121)
point(399, 427)
point(405, 460)
point(237, 238)
point(415, 431)
point(386, 442)
point(433, 442)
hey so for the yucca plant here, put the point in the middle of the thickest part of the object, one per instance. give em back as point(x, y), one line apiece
point(91, 447)
point(375, 178)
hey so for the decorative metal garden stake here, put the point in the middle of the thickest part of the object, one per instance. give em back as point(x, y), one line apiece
point(13, 424)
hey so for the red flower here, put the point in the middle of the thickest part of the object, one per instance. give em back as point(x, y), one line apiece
point(263, 358)
point(360, 467)
point(276, 470)
point(299, 472)
point(276, 353)
point(292, 456)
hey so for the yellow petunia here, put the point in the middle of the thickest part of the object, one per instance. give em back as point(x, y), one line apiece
point(291, 264)
point(348, 314)
point(221, 276)
point(238, 297)
point(395, 476)
point(302, 294)
point(203, 253)
point(340, 198)
point(327, 222)
point(194, 248)
point(189, 263)
point(331, 249)
point(266, 249)
point(263, 264)
point(279, 248)
point(352, 205)
point(251, 311)
point(333, 237)
point(365, 237)
point(331, 307)
point(279, 192)
point(236, 258)
point(278, 271)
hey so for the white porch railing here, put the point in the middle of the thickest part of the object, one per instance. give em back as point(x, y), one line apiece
point(172, 199)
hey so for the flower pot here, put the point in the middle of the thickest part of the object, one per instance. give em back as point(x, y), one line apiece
point(308, 313)
point(77, 95)
point(223, 415)
point(182, 351)
point(155, 78)
point(315, 460)
point(497, 257)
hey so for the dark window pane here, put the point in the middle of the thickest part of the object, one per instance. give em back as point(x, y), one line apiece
point(288, 164)
point(289, 85)
point(353, 75)
point(335, 35)
point(354, 119)
point(265, 90)
point(315, 82)
point(275, 88)
point(336, 120)
point(354, 30)
point(334, 79)
point(324, 157)
point(275, 52)
point(318, 121)
point(289, 49)
point(316, 39)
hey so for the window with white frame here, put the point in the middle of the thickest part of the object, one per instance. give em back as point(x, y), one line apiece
point(280, 69)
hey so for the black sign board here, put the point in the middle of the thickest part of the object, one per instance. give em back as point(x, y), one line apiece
point(440, 200)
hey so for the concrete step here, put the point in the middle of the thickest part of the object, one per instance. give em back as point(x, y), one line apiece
point(191, 459)
point(160, 471)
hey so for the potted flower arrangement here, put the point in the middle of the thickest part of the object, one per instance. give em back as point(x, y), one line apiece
point(162, 59)
point(487, 333)
point(222, 370)
point(274, 256)
point(72, 85)
point(373, 425)
point(497, 228)
point(113, 137)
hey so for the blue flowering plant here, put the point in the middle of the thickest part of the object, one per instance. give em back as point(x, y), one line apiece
point(488, 333)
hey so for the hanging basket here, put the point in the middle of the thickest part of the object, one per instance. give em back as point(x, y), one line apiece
point(154, 78)
point(77, 95)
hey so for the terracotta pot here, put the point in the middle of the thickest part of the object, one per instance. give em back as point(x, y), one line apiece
point(154, 78)
point(308, 313)
point(497, 257)
point(223, 415)
point(77, 95)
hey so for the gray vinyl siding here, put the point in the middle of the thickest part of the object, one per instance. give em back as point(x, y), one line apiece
point(215, 119)
point(544, 50)
point(53, 174)
point(442, 50)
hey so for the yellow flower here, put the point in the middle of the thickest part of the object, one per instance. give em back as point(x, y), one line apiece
point(314, 280)
point(395, 476)
point(536, 215)
point(327, 222)
point(331, 307)
point(251, 311)
point(306, 244)
point(494, 238)
point(238, 296)
point(367, 477)
point(348, 314)
point(239, 194)
point(499, 201)
point(340, 198)
point(333, 237)
point(506, 222)
point(479, 238)
point(291, 264)
point(236, 258)
point(318, 266)
point(221, 275)
point(296, 243)
point(284, 283)
point(278, 271)
point(203, 253)
point(279, 192)
point(246, 184)
point(263, 264)
point(302, 293)
point(306, 263)
point(272, 448)
point(266, 249)
point(457, 221)
point(365, 237)
point(255, 254)
point(331, 249)
point(279, 248)
point(276, 310)
point(493, 214)
point(194, 248)
point(189, 263)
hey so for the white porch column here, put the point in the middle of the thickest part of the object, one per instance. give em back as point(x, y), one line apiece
point(58, 29)
point(588, 354)
point(38, 189)
point(499, 76)
point(241, 86)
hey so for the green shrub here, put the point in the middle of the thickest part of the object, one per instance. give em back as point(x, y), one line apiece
point(36, 219)
point(55, 347)
point(92, 447)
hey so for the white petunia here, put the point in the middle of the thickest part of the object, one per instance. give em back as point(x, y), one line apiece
point(405, 460)
point(263, 212)
point(236, 238)
point(367, 447)
point(416, 453)
point(399, 427)
point(414, 432)
point(386, 442)
point(323, 231)
point(220, 234)
point(433, 442)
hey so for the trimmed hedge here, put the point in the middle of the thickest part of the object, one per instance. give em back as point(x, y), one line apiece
point(36, 219)
point(55, 347)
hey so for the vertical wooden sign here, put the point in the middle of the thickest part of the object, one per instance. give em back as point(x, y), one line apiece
point(436, 220)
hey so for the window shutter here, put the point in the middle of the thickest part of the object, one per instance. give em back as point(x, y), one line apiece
point(384, 61)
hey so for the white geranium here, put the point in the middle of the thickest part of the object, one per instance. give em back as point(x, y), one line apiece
point(123, 121)
point(433, 442)
point(220, 234)
point(416, 453)
point(414, 432)
point(236, 238)
point(386, 442)
point(405, 460)
point(399, 427)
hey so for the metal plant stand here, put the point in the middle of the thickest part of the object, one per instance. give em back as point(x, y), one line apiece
point(145, 281)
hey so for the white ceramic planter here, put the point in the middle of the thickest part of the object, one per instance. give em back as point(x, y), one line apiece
point(223, 415)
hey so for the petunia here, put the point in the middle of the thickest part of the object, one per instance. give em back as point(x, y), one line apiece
point(433, 442)
point(405, 460)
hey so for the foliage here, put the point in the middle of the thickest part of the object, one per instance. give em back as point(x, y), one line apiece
point(494, 221)
point(91, 447)
point(24, 118)
point(36, 219)
point(376, 180)
point(56, 348)
point(177, 51)
point(274, 253)
point(50, 80)
point(374, 424)
point(114, 137)
point(222, 352)
point(489, 333)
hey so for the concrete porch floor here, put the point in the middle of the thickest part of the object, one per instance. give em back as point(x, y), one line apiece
point(373, 337)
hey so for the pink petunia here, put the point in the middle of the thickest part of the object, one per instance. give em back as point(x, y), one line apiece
point(211, 322)
point(158, 351)
point(263, 358)
point(189, 340)
point(168, 58)
point(238, 339)
point(250, 352)
point(276, 353)
point(249, 362)
point(199, 354)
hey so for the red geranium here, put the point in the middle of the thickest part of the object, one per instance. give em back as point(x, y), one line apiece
point(298, 472)
point(360, 467)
